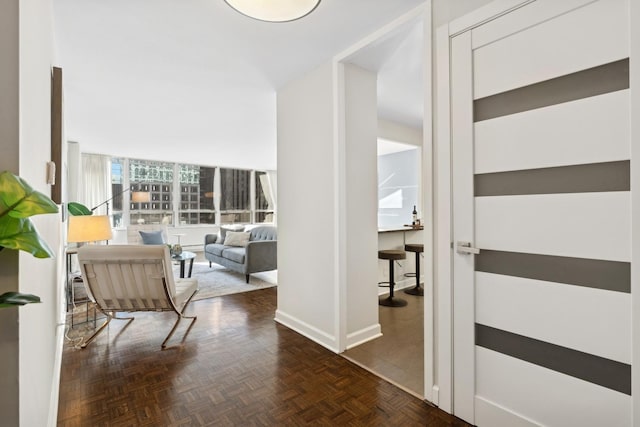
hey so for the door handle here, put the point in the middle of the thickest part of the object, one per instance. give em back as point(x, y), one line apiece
point(466, 248)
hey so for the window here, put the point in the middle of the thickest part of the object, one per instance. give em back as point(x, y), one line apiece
point(235, 196)
point(196, 195)
point(155, 192)
point(207, 214)
point(117, 190)
point(155, 179)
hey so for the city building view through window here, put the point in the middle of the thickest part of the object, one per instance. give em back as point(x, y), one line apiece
point(153, 192)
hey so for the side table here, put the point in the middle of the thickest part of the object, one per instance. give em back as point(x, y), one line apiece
point(72, 278)
point(184, 256)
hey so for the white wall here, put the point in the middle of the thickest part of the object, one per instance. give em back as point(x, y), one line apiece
point(307, 271)
point(9, 134)
point(27, 347)
point(327, 158)
point(327, 199)
point(38, 323)
point(359, 229)
point(398, 188)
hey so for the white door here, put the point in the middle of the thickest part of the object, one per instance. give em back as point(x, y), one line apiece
point(541, 186)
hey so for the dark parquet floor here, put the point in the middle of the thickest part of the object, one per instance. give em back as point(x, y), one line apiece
point(237, 367)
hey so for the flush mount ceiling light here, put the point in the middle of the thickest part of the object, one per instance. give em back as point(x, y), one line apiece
point(274, 10)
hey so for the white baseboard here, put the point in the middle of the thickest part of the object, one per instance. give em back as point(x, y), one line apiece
point(492, 415)
point(311, 332)
point(363, 335)
point(435, 395)
point(52, 420)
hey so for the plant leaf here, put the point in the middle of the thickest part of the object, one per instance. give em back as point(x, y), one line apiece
point(19, 200)
point(21, 234)
point(10, 299)
point(77, 209)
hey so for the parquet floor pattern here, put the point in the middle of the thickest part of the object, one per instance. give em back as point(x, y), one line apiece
point(237, 367)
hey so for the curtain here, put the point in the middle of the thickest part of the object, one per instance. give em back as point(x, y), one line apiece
point(73, 178)
point(96, 181)
point(272, 193)
point(216, 194)
point(266, 189)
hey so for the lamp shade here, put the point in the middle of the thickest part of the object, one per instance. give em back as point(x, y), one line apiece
point(274, 10)
point(140, 197)
point(89, 228)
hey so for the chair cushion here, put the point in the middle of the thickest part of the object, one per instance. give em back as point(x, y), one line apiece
point(236, 238)
point(184, 289)
point(234, 254)
point(151, 237)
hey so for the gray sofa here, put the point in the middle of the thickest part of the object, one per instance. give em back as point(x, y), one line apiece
point(260, 254)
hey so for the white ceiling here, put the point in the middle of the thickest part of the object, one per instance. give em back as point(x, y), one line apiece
point(195, 81)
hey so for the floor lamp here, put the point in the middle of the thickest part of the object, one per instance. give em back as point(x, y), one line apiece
point(140, 197)
point(89, 228)
point(106, 202)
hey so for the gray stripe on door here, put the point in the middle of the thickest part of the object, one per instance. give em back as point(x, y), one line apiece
point(594, 81)
point(588, 367)
point(588, 178)
point(590, 273)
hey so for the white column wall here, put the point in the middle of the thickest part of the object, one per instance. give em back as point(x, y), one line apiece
point(361, 205)
point(307, 231)
point(327, 204)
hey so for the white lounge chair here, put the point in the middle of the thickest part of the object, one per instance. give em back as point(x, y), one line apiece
point(130, 278)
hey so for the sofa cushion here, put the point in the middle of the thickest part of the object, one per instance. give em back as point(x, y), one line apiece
point(225, 229)
point(234, 254)
point(214, 248)
point(235, 238)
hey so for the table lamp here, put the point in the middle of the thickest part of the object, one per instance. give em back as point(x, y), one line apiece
point(89, 228)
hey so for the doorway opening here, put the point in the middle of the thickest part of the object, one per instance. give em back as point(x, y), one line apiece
point(401, 354)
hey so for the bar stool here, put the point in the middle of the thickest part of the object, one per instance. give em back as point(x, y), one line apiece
point(418, 248)
point(392, 255)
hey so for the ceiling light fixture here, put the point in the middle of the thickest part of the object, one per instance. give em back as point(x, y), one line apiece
point(274, 10)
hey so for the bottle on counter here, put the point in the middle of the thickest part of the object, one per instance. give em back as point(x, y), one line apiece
point(415, 215)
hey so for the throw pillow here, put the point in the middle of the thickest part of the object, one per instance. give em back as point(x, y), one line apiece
point(224, 230)
point(152, 237)
point(236, 238)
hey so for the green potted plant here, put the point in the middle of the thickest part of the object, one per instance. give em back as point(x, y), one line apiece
point(18, 201)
